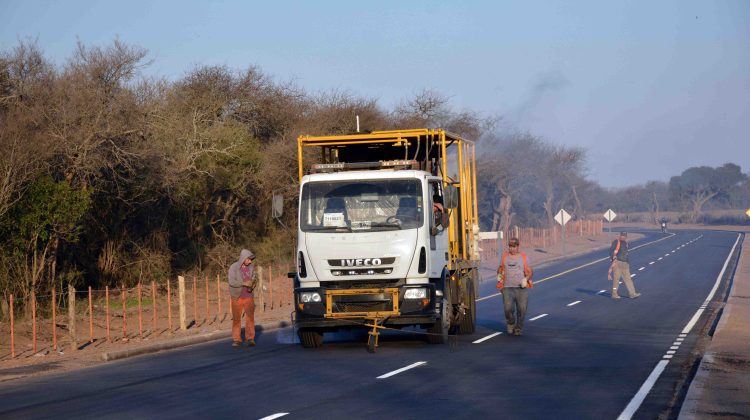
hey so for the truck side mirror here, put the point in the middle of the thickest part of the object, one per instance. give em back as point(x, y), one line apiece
point(450, 197)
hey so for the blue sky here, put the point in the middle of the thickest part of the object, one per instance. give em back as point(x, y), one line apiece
point(648, 87)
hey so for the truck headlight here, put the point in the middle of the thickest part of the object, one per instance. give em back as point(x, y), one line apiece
point(307, 297)
point(415, 293)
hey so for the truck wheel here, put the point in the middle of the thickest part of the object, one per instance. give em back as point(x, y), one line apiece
point(438, 332)
point(310, 339)
point(469, 321)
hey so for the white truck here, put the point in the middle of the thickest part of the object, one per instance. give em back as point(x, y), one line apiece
point(387, 234)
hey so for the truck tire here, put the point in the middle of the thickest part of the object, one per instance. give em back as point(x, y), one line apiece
point(438, 332)
point(310, 339)
point(469, 322)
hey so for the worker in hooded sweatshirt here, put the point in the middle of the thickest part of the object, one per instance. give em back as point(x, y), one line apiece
point(242, 282)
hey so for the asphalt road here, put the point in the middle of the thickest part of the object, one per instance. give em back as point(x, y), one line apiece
point(583, 355)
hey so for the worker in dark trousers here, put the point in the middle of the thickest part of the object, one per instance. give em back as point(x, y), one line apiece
point(514, 278)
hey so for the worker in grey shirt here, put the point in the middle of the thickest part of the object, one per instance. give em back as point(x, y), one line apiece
point(618, 254)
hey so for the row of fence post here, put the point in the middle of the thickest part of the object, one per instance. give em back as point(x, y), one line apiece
point(542, 237)
point(266, 299)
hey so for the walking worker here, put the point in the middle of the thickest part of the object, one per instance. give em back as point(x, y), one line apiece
point(242, 282)
point(618, 254)
point(514, 278)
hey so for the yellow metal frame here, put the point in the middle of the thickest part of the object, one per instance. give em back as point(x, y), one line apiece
point(393, 291)
point(466, 178)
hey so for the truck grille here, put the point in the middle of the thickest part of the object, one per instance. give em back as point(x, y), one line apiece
point(362, 306)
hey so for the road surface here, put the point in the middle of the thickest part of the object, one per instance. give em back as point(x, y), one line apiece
point(582, 355)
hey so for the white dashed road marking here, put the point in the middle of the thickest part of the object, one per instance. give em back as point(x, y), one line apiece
point(490, 296)
point(573, 303)
point(274, 416)
point(541, 316)
point(641, 269)
point(486, 338)
point(397, 371)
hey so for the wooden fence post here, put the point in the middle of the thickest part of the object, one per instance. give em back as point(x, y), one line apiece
point(153, 302)
point(12, 330)
point(260, 288)
point(218, 296)
point(140, 312)
point(72, 317)
point(106, 307)
point(208, 312)
point(195, 303)
point(270, 285)
point(169, 306)
point(33, 319)
point(91, 317)
point(181, 298)
point(54, 320)
point(124, 320)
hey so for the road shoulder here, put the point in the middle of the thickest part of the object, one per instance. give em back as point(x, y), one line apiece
point(721, 386)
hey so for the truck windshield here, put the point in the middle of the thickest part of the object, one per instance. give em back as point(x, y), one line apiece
point(352, 206)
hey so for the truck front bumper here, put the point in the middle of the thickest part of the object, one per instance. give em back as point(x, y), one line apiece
point(336, 308)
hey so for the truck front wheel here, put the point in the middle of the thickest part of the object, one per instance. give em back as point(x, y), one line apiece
point(310, 339)
point(437, 333)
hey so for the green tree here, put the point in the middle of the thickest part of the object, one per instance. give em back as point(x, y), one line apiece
point(49, 212)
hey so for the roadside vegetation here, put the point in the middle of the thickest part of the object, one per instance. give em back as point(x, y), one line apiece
point(108, 177)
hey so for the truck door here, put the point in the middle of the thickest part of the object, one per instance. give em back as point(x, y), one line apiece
point(438, 230)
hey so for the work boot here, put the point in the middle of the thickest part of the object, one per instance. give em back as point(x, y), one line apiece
point(236, 344)
point(635, 295)
point(615, 295)
point(517, 331)
point(251, 342)
point(511, 327)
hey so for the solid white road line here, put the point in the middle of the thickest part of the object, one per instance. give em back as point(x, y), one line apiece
point(541, 316)
point(635, 403)
point(486, 338)
point(573, 303)
point(397, 371)
point(490, 296)
point(637, 400)
point(699, 312)
point(274, 416)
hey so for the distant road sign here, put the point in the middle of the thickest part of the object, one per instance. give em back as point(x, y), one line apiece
point(610, 215)
point(562, 217)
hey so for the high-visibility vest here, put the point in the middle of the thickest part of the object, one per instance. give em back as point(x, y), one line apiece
point(526, 271)
point(617, 249)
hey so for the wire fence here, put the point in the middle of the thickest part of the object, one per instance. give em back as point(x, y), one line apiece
point(75, 319)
